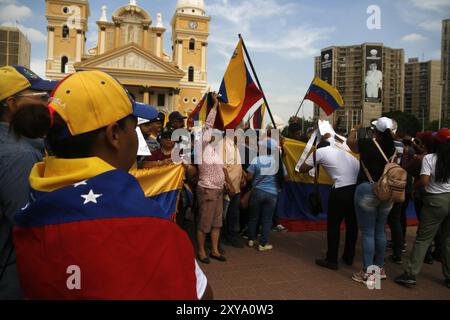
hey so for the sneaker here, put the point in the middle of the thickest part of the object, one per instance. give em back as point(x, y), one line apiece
point(280, 228)
point(251, 243)
point(406, 279)
point(404, 247)
point(360, 277)
point(396, 259)
point(326, 264)
point(267, 247)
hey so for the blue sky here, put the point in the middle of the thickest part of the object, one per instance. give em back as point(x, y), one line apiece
point(283, 36)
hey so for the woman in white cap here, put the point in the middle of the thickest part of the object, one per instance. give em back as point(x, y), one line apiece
point(370, 211)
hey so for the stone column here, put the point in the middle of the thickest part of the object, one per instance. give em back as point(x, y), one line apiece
point(203, 68)
point(51, 42)
point(102, 44)
point(79, 45)
point(158, 45)
point(117, 36)
point(145, 37)
point(180, 53)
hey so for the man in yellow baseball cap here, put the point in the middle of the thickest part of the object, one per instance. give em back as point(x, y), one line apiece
point(87, 211)
point(18, 86)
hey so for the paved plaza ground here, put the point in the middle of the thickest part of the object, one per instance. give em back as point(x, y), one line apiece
point(289, 272)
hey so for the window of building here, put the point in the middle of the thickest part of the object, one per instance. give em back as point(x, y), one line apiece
point(64, 61)
point(192, 44)
point(65, 31)
point(191, 74)
point(14, 37)
point(161, 100)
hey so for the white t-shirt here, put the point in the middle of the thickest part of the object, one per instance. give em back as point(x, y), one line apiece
point(429, 169)
point(340, 165)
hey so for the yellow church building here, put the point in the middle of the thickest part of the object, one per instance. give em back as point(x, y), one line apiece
point(130, 47)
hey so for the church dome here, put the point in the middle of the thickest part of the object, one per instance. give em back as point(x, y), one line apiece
point(196, 7)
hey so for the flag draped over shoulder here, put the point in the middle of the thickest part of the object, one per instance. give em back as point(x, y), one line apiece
point(93, 234)
point(238, 90)
point(162, 184)
point(258, 117)
point(325, 96)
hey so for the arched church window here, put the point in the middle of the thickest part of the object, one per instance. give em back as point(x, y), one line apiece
point(64, 61)
point(65, 32)
point(192, 44)
point(191, 74)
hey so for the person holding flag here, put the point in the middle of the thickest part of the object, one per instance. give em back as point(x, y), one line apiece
point(89, 232)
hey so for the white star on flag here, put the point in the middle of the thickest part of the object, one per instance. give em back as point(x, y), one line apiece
point(82, 183)
point(91, 197)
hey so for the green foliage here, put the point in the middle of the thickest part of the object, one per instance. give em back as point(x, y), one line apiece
point(408, 124)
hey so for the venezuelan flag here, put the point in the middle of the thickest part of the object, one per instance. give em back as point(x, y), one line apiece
point(87, 217)
point(238, 91)
point(258, 117)
point(324, 95)
point(293, 208)
point(162, 184)
point(201, 112)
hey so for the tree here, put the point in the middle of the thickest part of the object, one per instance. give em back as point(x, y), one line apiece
point(434, 125)
point(408, 124)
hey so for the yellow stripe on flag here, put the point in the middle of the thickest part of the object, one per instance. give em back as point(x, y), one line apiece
point(330, 89)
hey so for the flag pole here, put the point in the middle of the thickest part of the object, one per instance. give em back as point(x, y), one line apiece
point(301, 104)
point(257, 81)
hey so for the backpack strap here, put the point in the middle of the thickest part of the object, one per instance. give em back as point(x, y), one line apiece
point(383, 154)
point(366, 171)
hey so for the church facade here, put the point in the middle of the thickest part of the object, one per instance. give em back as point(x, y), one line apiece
point(130, 47)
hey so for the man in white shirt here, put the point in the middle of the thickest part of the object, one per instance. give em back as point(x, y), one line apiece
point(343, 168)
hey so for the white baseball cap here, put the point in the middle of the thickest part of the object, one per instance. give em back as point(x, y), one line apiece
point(383, 124)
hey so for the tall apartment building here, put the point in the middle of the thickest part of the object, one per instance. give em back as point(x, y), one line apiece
point(445, 68)
point(14, 47)
point(370, 78)
point(422, 89)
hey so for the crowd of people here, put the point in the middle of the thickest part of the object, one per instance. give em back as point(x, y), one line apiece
point(76, 139)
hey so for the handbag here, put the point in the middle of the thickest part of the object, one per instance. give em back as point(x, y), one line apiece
point(245, 197)
point(314, 199)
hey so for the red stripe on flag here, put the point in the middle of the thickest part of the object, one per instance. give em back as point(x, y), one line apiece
point(252, 95)
point(321, 102)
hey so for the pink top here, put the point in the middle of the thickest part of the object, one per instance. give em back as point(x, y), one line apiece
point(211, 175)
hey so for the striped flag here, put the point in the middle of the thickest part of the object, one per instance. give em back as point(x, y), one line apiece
point(258, 117)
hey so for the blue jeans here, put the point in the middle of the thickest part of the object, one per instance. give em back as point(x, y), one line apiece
point(372, 216)
point(262, 208)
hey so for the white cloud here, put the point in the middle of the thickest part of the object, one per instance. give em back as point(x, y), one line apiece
point(12, 12)
point(243, 13)
point(431, 5)
point(38, 67)
point(432, 26)
point(34, 35)
point(260, 22)
point(413, 37)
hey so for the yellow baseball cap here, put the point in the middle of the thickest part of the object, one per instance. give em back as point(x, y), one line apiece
point(90, 100)
point(14, 79)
